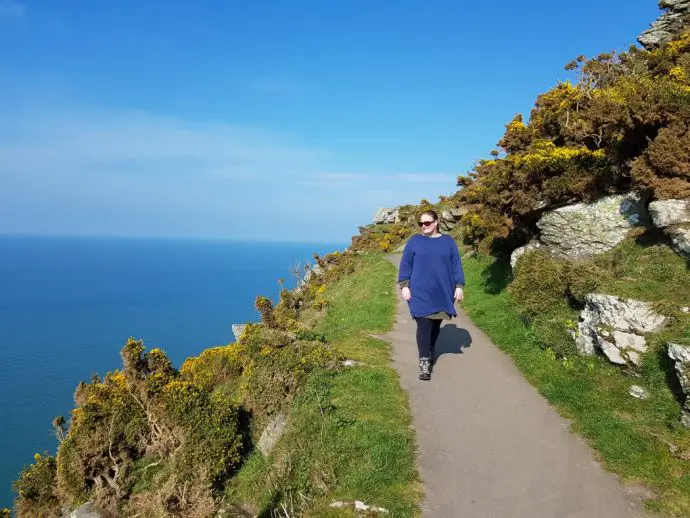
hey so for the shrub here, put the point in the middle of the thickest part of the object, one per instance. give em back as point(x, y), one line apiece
point(35, 489)
point(624, 125)
point(538, 285)
point(551, 331)
point(583, 278)
point(382, 238)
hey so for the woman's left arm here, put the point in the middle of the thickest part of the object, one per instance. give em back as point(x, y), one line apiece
point(458, 273)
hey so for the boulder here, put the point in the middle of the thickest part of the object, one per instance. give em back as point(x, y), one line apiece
point(680, 239)
point(387, 215)
point(669, 25)
point(681, 355)
point(83, 511)
point(584, 230)
point(447, 221)
point(665, 213)
point(459, 212)
point(518, 252)
point(615, 327)
point(271, 434)
point(638, 392)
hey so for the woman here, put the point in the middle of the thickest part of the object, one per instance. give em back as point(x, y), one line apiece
point(431, 279)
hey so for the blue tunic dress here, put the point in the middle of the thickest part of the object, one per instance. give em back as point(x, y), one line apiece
point(433, 267)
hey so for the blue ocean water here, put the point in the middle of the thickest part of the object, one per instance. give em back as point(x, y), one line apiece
point(67, 306)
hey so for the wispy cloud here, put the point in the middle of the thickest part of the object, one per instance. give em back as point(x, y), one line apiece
point(107, 140)
point(96, 171)
point(12, 9)
point(374, 179)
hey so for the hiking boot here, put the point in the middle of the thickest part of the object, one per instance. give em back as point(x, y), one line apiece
point(424, 369)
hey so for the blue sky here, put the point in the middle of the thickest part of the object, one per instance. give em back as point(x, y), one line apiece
point(267, 120)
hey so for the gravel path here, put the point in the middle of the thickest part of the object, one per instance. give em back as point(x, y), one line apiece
point(488, 444)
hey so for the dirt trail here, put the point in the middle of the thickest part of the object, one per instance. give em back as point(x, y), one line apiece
point(489, 444)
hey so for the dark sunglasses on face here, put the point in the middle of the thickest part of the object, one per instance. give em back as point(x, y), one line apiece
point(426, 223)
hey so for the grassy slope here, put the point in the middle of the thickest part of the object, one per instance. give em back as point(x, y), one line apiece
point(633, 438)
point(349, 435)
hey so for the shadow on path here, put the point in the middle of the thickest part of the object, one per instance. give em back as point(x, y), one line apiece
point(452, 340)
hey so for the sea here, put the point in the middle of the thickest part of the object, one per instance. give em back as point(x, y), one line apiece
point(68, 305)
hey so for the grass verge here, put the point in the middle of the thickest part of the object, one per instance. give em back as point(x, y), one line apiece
point(349, 435)
point(640, 440)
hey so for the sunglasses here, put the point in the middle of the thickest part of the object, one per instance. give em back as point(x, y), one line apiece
point(426, 223)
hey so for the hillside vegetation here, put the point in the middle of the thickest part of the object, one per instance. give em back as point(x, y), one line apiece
point(150, 440)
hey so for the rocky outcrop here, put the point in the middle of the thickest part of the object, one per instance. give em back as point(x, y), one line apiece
point(519, 252)
point(615, 327)
point(449, 218)
point(673, 216)
point(669, 25)
point(680, 239)
point(83, 511)
point(237, 330)
point(271, 434)
point(585, 230)
point(681, 355)
point(387, 215)
point(666, 213)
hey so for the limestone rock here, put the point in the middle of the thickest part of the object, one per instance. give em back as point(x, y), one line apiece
point(681, 355)
point(271, 434)
point(83, 511)
point(387, 215)
point(638, 392)
point(358, 505)
point(669, 25)
point(680, 239)
point(447, 221)
point(310, 271)
point(459, 212)
point(584, 230)
point(665, 213)
point(237, 330)
point(624, 314)
point(519, 252)
point(615, 327)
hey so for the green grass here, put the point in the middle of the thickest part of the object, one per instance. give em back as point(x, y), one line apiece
point(646, 268)
point(349, 435)
point(633, 438)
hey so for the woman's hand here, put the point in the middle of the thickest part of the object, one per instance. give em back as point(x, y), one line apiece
point(406, 293)
point(459, 294)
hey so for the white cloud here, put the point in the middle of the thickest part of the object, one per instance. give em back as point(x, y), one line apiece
point(93, 171)
point(12, 9)
point(141, 142)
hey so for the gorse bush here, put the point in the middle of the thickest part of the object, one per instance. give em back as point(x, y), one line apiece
point(539, 283)
point(36, 489)
point(624, 124)
point(161, 442)
point(153, 441)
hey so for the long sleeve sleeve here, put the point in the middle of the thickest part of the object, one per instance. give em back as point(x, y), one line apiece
point(456, 262)
point(406, 264)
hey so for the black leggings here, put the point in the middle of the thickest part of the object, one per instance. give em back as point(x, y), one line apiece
point(428, 330)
